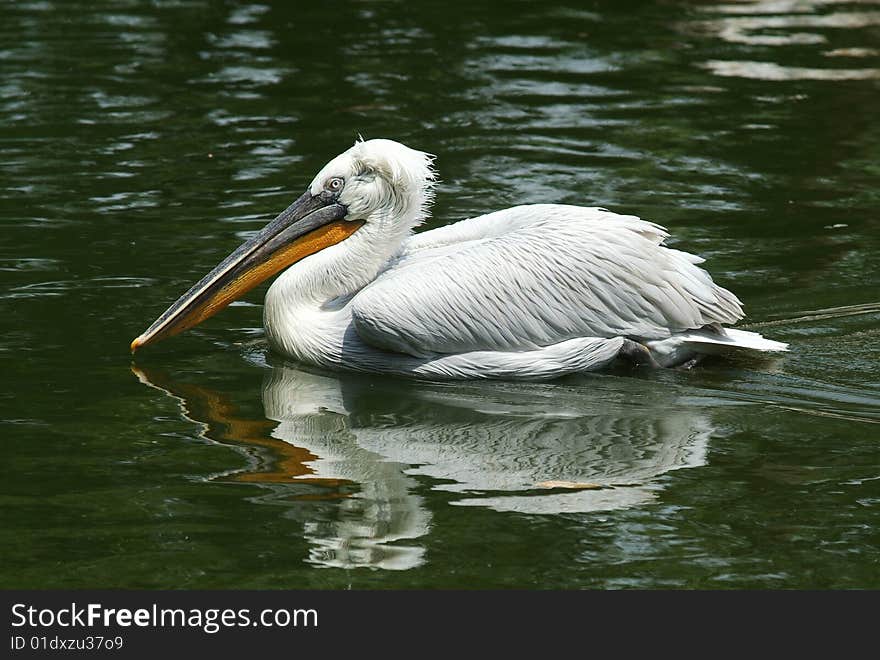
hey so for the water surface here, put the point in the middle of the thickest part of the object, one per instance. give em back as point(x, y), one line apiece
point(142, 142)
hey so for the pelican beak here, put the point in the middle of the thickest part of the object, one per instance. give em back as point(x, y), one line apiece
point(310, 224)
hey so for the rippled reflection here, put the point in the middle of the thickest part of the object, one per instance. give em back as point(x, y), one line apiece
point(372, 445)
point(792, 24)
point(770, 71)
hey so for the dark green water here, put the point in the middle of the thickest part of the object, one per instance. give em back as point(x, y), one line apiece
point(141, 142)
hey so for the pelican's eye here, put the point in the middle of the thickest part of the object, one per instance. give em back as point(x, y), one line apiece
point(334, 184)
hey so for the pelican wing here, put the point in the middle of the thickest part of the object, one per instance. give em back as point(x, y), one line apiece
point(533, 276)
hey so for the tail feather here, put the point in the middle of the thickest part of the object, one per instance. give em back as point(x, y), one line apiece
point(684, 346)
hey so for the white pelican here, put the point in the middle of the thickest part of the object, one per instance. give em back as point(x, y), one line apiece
point(530, 292)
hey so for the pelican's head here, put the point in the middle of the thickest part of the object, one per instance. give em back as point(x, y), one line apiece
point(376, 186)
point(381, 182)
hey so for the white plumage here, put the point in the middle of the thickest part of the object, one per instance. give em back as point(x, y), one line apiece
point(557, 273)
point(528, 292)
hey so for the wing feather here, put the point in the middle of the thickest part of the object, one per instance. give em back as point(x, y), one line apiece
point(533, 276)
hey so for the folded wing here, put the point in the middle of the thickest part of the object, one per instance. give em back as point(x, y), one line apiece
point(533, 276)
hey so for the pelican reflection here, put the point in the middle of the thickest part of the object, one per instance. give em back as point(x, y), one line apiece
point(356, 459)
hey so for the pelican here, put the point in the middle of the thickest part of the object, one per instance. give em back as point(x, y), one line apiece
point(530, 292)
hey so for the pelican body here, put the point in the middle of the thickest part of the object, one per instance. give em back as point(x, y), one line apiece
point(530, 292)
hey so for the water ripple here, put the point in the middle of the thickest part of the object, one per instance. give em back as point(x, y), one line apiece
point(63, 287)
point(771, 71)
point(780, 25)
